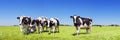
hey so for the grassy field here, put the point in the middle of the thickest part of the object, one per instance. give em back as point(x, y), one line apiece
point(98, 33)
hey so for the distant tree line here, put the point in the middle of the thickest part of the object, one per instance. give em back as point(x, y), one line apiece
point(65, 25)
point(114, 25)
point(98, 25)
point(107, 25)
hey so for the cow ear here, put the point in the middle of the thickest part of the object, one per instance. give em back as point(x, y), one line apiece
point(71, 16)
point(18, 17)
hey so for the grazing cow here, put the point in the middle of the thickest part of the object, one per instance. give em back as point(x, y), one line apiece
point(24, 23)
point(53, 24)
point(40, 22)
point(80, 22)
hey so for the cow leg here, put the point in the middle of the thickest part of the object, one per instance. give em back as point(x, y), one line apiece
point(41, 29)
point(38, 29)
point(52, 29)
point(57, 28)
point(78, 30)
point(46, 28)
point(87, 30)
point(90, 28)
point(21, 28)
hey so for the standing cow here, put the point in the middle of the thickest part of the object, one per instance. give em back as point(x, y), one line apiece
point(40, 22)
point(24, 23)
point(53, 24)
point(80, 22)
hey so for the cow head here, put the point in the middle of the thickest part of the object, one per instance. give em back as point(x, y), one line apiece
point(75, 18)
point(24, 20)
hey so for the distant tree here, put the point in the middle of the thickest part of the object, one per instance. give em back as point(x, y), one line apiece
point(15, 25)
point(113, 25)
point(98, 25)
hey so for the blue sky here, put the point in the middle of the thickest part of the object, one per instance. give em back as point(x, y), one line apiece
point(101, 11)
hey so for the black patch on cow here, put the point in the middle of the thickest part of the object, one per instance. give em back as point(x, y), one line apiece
point(87, 21)
point(38, 22)
point(33, 22)
point(57, 22)
point(78, 23)
point(26, 20)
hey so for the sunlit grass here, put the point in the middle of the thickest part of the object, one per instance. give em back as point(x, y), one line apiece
point(98, 33)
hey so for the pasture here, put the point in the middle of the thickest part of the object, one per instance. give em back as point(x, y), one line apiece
point(66, 33)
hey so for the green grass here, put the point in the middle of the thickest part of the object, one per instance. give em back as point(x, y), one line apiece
point(103, 33)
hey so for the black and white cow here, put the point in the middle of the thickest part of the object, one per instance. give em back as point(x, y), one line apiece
point(24, 23)
point(40, 22)
point(80, 22)
point(53, 24)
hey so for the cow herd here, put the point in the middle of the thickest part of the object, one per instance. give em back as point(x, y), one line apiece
point(41, 24)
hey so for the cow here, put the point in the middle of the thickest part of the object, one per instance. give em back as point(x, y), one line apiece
point(80, 22)
point(40, 22)
point(53, 24)
point(24, 23)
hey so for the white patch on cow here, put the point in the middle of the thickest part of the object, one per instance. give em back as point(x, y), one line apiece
point(39, 18)
point(48, 21)
point(85, 25)
point(42, 19)
point(31, 25)
point(75, 17)
point(32, 30)
point(54, 21)
point(20, 20)
point(81, 20)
